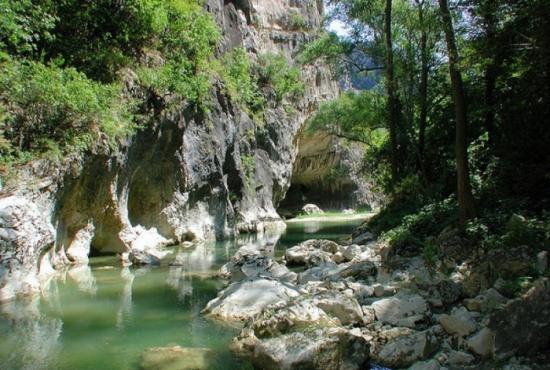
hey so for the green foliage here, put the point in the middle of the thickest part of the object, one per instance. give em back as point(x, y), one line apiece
point(275, 72)
point(328, 48)
point(188, 37)
point(296, 21)
point(415, 228)
point(24, 24)
point(498, 229)
point(248, 162)
point(60, 84)
point(50, 109)
point(237, 72)
point(353, 115)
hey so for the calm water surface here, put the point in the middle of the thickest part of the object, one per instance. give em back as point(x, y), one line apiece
point(103, 316)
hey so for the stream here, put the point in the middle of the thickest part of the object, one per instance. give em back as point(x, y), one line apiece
point(103, 316)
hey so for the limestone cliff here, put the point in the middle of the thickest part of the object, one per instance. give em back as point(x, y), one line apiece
point(187, 176)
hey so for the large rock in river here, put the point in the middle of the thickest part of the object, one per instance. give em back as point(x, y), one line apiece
point(311, 252)
point(247, 298)
point(175, 358)
point(321, 349)
point(248, 264)
point(402, 310)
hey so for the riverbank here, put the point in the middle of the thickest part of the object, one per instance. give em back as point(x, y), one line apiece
point(356, 305)
point(106, 316)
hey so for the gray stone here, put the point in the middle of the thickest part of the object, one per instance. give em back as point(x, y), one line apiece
point(310, 209)
point(486, 301)
point(352, 251)
point(460, 322)
point(246, 298)
point(360, 270)
point(322, 349)
point(522, 325)
point(401, 310)
point(248, 265)
point(542, 262)
point(482, 343)
point(25, 233)
point(426, 365)
point(402, 347)
point(311, 252)
point(176, 358)
point(458, 359)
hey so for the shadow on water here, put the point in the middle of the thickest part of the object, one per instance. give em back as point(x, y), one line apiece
point(103, 316)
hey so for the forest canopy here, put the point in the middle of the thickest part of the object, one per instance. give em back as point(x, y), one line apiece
point(463, 91)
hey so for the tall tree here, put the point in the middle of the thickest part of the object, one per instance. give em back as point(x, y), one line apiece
point(393, 105)
point(424, 69)
point(464, 188)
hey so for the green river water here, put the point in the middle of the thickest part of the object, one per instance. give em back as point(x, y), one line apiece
point(104, 316)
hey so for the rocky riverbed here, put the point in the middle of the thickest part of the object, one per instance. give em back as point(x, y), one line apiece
point(355, 304)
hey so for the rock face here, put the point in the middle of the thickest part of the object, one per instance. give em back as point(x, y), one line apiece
point(24, 235)
point(188, 175)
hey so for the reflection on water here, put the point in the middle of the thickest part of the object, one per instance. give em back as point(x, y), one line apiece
point(33, 339)
point(103, 316)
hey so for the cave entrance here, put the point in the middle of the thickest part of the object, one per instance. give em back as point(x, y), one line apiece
point(327, 173)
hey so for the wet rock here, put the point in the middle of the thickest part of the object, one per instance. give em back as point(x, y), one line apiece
point(248, 265)
point(401, 310)
point(246, 298)
point(522, 326)
point(175, 358)
point(310, 209)
point(460, 322)
point(402, 347)
point(326, 348)
point(482, 343)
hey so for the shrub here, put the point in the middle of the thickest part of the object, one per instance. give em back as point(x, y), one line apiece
point(296, 21)
point(187, 40)
point(49, 109)
point(240, 82)
point(275, 72)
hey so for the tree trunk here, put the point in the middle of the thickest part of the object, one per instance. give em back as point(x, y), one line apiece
point(423, 86)
point(390, 90)
point(465, 197)
point(490, 73)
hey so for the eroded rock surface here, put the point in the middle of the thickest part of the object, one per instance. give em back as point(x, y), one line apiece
point(247, 298)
